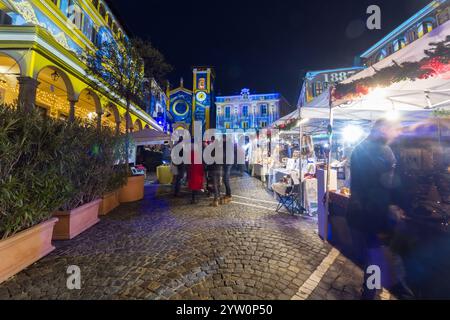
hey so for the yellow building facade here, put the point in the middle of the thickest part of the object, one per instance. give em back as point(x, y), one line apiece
point(42, 43)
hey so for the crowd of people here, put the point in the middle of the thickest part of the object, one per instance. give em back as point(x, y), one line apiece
point(203, 177)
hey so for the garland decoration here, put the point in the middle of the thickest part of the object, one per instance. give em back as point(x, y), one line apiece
point(436, 63)
point(287, 125)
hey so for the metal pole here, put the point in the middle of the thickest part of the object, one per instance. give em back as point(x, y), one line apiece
point(302, 196)
point(328, 183)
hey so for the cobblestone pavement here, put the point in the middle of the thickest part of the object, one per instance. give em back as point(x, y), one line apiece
point(165, 248)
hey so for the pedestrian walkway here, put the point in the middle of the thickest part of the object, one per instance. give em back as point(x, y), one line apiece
point(165, 248)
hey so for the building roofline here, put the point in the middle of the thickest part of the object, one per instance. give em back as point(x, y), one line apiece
point(403, 27)
point(315, 72)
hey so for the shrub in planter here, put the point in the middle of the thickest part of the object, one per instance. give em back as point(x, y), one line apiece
point(32, 185)
point(91, 172)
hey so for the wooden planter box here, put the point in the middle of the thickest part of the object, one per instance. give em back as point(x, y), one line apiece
point(133, 190)
point(72, 223)
point(25, 248)
point(109, 203)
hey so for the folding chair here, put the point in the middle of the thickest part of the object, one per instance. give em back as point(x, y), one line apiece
point(290, 199)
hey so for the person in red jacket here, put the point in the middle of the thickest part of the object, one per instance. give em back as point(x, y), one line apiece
point(196, 175)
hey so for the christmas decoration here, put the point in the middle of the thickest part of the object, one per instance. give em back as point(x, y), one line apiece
point(436, 63)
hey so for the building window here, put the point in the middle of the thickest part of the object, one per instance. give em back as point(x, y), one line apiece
point(443, 16)
point(102, 11)
point(263, 124)
point(244, 125)
point(227, 125)
point(399, 44)
point(424, 28)
point(245, 111)
point(227, 112)
point(317, 89)
point(381, 55)
point(88, 26)
point(263, 110)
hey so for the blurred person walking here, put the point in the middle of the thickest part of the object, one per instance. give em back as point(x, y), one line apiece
point(372, 214)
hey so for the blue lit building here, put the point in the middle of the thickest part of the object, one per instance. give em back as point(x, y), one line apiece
point(250, 111)
point(157, 106)
point(434, 14)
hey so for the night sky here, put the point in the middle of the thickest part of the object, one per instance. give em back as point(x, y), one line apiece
point(262, 45)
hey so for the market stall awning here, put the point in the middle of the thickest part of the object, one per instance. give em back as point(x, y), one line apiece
point(149, 137)
point(407, 95)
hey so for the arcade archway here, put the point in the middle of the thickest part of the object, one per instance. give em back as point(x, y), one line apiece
point(54, 93)
point(88, 106)
point(9, 86)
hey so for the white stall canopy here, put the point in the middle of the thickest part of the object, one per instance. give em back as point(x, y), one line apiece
point(149, 137)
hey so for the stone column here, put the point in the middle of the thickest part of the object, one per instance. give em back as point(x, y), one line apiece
point(99, 120)
point(27, 93)
point(72, 103)
point(117, 128)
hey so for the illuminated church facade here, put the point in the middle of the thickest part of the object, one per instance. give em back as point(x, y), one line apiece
point(187, 106)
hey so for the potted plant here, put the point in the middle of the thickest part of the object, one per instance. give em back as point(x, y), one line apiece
point(116, 175)
point(87, 172)
point(31, 187)
point(133, 190)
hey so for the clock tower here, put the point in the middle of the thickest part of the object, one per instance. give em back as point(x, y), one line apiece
point(203, 97)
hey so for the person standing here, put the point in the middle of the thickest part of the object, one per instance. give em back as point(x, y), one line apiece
point(215, 170)
point(181, 171)
point(196, 175)
point(227, 165)
point(372, 214)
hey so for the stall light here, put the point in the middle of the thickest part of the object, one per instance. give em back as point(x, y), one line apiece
point(392, 115)
point(91, 115)
point(352, 134)
point(302, 121)
point(377, 93)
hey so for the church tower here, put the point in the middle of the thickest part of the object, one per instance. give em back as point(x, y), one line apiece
point(203, 97)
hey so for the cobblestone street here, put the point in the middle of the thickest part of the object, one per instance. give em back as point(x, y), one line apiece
point(165, 248)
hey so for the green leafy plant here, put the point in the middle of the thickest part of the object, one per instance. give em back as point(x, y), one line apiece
point(48, 165)
point(32, 179)
point(94, 167)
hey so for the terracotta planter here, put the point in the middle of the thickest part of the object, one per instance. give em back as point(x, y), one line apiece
point(72, 223)
point(133, 190)
point(25, 248)
point(109, 203)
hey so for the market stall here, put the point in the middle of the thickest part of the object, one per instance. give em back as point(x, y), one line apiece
point(148, 140)
point(412, 86)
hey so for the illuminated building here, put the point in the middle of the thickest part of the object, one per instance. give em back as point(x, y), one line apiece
point(316, 82)
point(423, 22)
point(187, 106)
point(41, 45)
point(249, 111)
point(157, 103)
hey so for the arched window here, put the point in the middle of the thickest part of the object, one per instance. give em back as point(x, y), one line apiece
point(381, 55)
point(399, 44)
